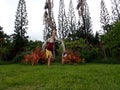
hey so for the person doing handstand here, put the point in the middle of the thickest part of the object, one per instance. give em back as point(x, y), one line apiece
point(49, 46)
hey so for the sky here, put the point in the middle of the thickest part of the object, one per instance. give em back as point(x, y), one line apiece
point(35, 10)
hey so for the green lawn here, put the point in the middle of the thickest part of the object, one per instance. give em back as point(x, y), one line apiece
point(60, 77)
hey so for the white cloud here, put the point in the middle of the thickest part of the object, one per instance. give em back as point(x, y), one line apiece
point(35, 16)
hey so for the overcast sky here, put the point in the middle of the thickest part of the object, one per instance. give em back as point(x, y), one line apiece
point(35, 10)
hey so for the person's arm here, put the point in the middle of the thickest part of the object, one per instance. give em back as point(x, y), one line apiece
point(63, 45)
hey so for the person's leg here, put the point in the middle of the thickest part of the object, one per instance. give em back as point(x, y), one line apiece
point(64, 55)
point(62, 58)
point(50, 59)
point(49, 62)
point(49, 56)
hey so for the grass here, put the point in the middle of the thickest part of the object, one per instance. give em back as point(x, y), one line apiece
point(60, 77)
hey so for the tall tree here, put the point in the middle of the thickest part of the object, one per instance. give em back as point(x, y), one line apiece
point(3, 36)
point(104, 17)
point(1, 42)
point(62, 21)
point(21, 22)
point(116, 9)
point(4, 44)
point(85, 25)
point(71, 21)
point(49, 20)
point(1, 33)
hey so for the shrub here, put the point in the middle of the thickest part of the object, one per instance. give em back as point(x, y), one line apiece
point(20, 57)
point(90, 55)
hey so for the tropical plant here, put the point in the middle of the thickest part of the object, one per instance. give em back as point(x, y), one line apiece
point(112, 40)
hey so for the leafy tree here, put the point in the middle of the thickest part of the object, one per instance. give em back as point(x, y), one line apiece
point(21, 22)
point(116, 10)
point(62, 21)
point(4, 38)
point(1, 41)
point(76, 44)
point(4, 44)
point(112, 40)
point(96, 39)
point(1, 35)
point(33, 44)
point(104, 17)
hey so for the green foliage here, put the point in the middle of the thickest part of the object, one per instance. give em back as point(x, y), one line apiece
point(88, 52)
point(7, 51)
point(3, 52)
point(81, 33)
point(20, 57)
point(75, 44)
point(31, 45)
point(112, 40)
point(90, 55)
point(4, 44)
point(60, 77)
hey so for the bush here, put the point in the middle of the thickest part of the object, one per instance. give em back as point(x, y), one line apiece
point(20, 57)
point(90, 55)
point(2, 62)
point(112, 40)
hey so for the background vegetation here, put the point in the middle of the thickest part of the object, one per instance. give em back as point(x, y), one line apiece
point(101, 47)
